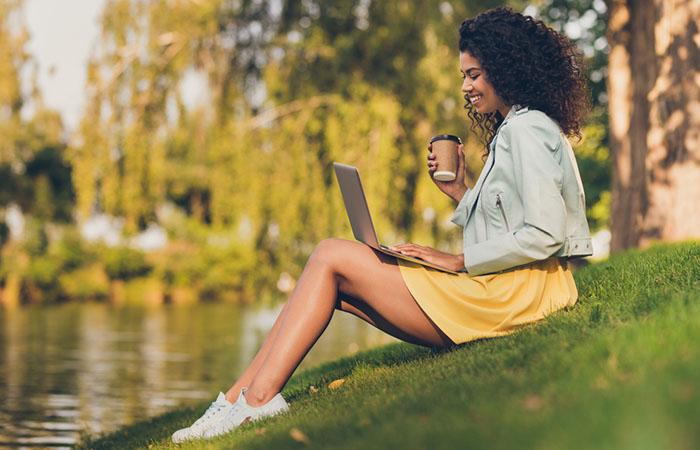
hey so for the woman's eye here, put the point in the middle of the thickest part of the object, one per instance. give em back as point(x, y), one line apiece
point(474, 77)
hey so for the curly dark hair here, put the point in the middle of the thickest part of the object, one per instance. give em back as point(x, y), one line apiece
point(528, 64)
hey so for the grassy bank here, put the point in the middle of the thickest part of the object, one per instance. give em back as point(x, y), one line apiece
point(619, 370)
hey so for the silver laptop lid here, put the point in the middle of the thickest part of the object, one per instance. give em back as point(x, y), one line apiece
point(360, 218)
point(356, 204)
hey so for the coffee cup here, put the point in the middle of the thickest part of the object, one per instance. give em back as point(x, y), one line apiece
point(444, 147)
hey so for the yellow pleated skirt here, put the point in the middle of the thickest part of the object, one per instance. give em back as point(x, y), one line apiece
point(467, 307)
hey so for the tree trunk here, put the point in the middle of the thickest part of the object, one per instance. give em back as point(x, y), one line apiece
point(654, 101)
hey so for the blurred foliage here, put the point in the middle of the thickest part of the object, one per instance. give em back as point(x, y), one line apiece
point(49, 261)
point(595, 165)
point(290, 91)
point(124, 263)
point(85, 283)
point(33, 173)
point(241, 177)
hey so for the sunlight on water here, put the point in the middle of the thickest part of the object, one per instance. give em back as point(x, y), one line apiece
point(76, 368)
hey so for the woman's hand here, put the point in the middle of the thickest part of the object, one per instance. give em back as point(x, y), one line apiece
point(454, 189)
point(442, 259)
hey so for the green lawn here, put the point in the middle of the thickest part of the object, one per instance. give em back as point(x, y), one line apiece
point(619, 370)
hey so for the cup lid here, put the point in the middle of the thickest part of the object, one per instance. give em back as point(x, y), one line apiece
point(443, 137)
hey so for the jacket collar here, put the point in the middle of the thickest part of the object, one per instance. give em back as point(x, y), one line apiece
point(515, 109)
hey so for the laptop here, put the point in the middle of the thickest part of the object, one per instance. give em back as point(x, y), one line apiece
point(360, 219)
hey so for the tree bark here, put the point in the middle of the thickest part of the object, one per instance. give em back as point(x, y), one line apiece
point(654, 104)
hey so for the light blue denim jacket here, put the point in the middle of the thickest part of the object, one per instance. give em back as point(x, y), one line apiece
point(528, 203)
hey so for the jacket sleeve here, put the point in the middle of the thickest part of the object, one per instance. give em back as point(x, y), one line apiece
point(538, 178)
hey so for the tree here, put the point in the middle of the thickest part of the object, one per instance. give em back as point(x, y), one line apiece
point(33, 174)
point(13, 58)
point(340, 80)
point(654, 69)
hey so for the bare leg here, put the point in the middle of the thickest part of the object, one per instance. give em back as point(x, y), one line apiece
point(247, 376)
point(337, 271)
point(345, 303)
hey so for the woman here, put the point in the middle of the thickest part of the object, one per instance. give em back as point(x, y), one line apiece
point(525, 91)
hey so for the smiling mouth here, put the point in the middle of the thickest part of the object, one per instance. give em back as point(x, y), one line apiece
point(473, 99)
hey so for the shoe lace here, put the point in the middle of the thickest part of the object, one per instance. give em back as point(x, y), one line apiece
point(223, 424)
point(213, 409)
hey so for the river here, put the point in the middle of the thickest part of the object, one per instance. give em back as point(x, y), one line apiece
point(93, 368)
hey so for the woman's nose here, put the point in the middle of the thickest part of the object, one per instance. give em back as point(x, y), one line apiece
point(466, 87)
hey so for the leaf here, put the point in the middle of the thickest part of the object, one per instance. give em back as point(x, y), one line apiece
point(533, 402)
point(299, 436)
point(335, 384)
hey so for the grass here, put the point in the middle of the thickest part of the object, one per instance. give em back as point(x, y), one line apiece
point(619, 370)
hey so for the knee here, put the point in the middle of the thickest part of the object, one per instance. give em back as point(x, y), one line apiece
point(327, 252)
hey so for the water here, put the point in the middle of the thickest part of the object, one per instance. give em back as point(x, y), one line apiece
point(93, 368)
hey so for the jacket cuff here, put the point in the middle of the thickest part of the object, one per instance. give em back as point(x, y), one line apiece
point(493, 255)
point(503, 252)
point(460, 215)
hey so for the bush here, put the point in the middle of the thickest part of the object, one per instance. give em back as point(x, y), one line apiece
point(46, 261)
point(90, 282)
point(43, 271)
point(213, 271)
point(221, 276)
point(71, 251)
point(124, 263)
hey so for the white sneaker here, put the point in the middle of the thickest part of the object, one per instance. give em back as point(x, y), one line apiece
point(216, 411)
point(242, 412)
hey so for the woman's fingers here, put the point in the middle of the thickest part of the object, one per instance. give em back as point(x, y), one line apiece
point(432, 164)
point(408, 248)
point(413, 250)
point(461, 163)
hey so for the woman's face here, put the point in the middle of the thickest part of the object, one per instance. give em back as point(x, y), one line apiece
point(477, 90)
